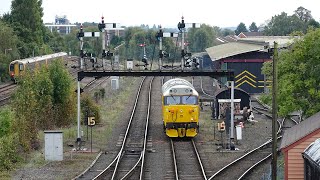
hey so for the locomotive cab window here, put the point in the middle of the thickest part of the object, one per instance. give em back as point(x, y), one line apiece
point(171, 100)
point(189, 100)
point(11, 67)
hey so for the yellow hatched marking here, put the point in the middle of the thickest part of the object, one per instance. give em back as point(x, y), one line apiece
point(246, 77)
point(246, 82)
point(245, 71)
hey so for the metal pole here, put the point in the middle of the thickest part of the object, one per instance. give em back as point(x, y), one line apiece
point(181, 27)
point(182, 48)
point(91, 139)
point(86, 119)
point(104, 63)
point(160, 48)
point(274, 113)
point(78, 115)
point(232, 109)
point(81, 49)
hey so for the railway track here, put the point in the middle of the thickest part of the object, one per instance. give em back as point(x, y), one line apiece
point(186, 160)
point(94, 83)
point(5, 92)
point(129, 161)
point(244, 165)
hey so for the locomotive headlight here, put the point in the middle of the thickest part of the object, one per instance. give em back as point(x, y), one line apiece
point(171, 111)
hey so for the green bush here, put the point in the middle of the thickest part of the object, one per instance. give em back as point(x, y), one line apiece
point(90, 108)
point(6, 117)
point(8, 152)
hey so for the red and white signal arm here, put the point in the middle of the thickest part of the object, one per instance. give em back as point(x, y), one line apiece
point(91, 121)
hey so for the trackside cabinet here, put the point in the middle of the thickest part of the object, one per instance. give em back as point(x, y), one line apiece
point(115, 82)
point(129, 64)
point(53, 145)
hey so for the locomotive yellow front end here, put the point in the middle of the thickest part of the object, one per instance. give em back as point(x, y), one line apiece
point(180, 108)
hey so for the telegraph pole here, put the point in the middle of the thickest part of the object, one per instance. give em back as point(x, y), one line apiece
point(274, 112)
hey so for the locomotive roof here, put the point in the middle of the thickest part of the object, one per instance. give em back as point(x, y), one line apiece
point(177, 83)
point(40, 58)
point(174, 82)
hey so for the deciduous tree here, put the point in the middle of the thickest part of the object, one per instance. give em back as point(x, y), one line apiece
point(299, 76)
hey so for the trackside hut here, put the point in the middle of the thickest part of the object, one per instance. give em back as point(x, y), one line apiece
point(295, 140)
point(246, 58)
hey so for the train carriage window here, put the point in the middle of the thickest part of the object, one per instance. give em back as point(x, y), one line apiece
point(189, 100)
point(171, 100)
point(21, 67)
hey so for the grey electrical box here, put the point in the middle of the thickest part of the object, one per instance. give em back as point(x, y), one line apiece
point(115, 82)
point(53, 145)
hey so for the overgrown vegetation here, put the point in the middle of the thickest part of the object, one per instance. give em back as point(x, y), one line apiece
point(44, 100)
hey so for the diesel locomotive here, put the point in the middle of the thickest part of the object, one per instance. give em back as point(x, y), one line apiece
point(180, 108)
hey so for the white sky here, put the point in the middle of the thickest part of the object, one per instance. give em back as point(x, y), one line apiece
point(222, 13)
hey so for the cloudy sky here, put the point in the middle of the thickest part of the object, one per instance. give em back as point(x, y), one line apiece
point(222, 13)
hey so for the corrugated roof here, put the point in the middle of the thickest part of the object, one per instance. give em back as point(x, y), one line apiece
point(283, 41)
point(313, 151)
point(244, 45)
point(231, 49)
point(300, 130)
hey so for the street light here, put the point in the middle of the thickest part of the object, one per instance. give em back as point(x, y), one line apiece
point(5, 51)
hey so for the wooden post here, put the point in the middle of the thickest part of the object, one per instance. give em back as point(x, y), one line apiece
point(274, 113)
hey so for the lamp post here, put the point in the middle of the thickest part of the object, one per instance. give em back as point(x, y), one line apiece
point(5, 51)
